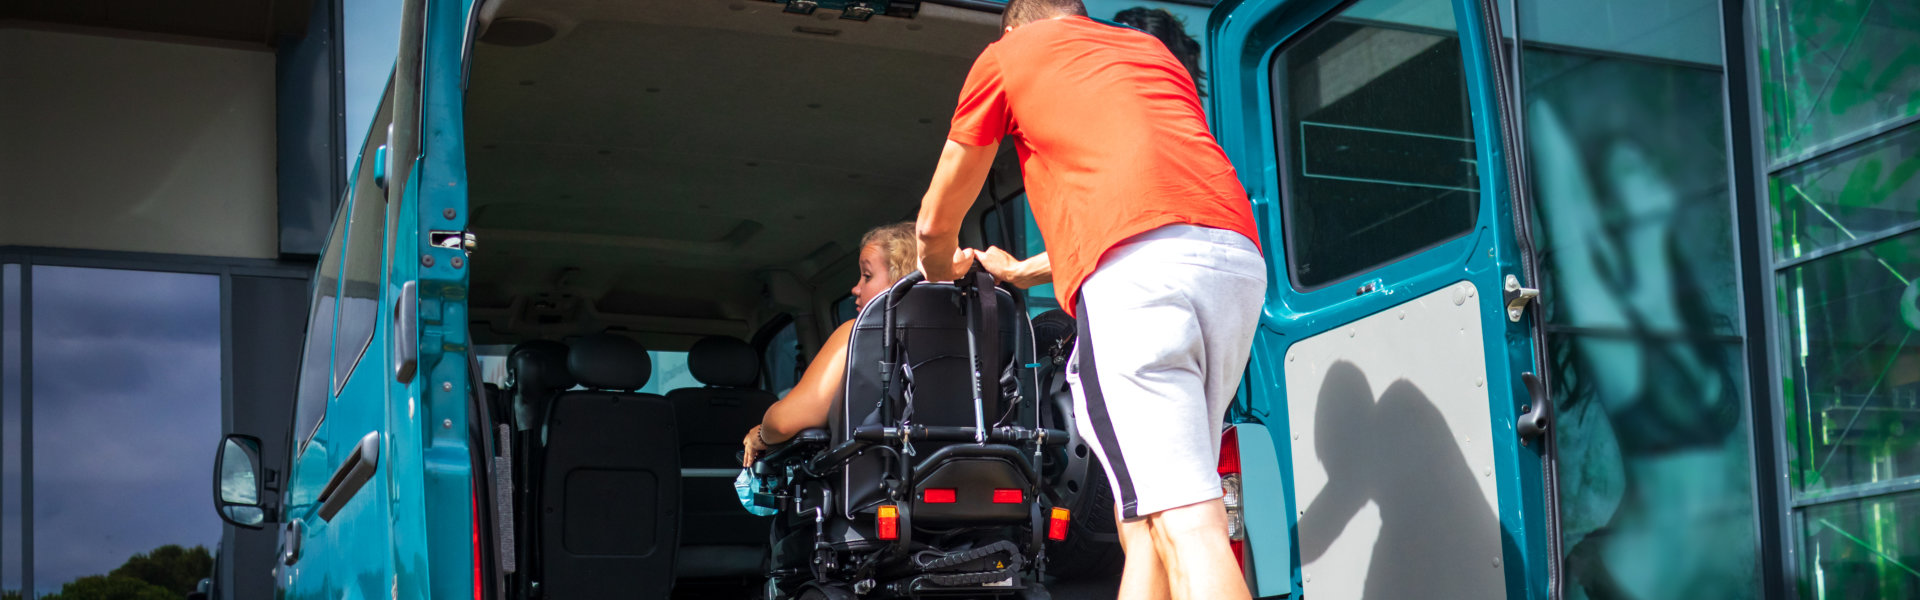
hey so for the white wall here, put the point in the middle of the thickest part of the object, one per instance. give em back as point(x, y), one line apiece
point(113, 143)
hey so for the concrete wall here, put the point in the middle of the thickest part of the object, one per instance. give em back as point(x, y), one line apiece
point(115, 143)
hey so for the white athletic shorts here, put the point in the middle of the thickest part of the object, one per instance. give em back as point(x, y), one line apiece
point(1166, 325)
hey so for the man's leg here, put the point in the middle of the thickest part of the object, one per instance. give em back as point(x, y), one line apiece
point(1191, 543)
point(1145, 577)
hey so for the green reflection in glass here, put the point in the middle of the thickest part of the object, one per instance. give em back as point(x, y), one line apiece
point(1842, 197)
point(1862, 549)
point(1837, 67)
point(1628, 153)
point(1853, 366)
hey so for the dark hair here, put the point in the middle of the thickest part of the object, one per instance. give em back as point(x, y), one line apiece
point(1171, 31)
point(1022, 12)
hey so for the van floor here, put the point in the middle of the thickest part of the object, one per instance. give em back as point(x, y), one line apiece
point(1095, 589)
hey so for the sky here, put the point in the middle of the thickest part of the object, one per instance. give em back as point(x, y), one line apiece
point(126, 416)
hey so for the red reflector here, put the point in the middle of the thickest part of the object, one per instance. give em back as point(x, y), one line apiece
point(889, 522)
point(478, 590)
point(1057, 524)
point(1229, 452)
point(937, 496)
point(1239, 554)
point(1005, 496)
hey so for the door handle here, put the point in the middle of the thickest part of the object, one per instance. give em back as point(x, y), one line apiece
point(406, 332)
point(351, 476)
point(1535, 419)
point(294, 532)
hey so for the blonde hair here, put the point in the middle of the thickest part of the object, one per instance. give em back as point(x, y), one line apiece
point(899, 245)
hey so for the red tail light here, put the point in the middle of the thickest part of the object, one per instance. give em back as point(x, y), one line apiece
point(937, 496)
point(1057, 524)
point(478, 593)
point(889, 522)
point(1006, 496)
point(1230, 495)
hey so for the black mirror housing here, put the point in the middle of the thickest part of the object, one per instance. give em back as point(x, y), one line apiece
point(239, 484)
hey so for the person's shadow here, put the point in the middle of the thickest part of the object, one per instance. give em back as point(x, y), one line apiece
point(1438, 537)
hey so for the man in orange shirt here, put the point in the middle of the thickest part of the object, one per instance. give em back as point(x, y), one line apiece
point(1151, 244)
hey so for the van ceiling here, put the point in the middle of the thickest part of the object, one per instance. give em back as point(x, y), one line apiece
point(656, 161)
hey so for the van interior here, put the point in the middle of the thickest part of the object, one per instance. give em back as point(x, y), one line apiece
point(691, 177)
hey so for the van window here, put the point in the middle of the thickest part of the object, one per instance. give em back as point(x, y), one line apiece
point(1375, 140)
point(844, 310)
point(360, 292)
point(670, 373)
point(780, 360)
point(310, 400)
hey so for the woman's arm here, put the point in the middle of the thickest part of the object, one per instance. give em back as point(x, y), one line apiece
point(809, 401)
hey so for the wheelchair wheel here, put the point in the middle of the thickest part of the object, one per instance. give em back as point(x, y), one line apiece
point(1075, 479)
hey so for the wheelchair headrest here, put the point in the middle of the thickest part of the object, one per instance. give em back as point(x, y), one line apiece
point(539, 366)
point(610, 362)
point(722, 361)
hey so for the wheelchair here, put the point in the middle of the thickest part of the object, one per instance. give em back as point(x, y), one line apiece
point(928, 480)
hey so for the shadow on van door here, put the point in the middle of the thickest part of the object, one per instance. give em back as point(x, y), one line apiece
point(1436, 528)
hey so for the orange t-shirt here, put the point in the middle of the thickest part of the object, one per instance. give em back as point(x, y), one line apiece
point(1111, 136)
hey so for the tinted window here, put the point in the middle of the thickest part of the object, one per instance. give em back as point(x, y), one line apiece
point(670, 373)
point(366, 243)
point(1375, 140)
point(310, 403)
point(844, 310)
point(780, 360)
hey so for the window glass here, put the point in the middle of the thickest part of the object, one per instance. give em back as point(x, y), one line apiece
point(1626, 139)
point(1837, 69)
point(1852, 361)
point(670, 373)
point(1375, 139)
point(844, 310)
point(126, 401)
point(360, 290)
point(1837, 198)
point(316, 376)
point(1863, 549)
point(780, 360)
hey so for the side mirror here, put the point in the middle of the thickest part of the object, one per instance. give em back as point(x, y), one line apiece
point(237, 489)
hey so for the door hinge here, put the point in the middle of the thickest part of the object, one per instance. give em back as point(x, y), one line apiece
point(1517, 298)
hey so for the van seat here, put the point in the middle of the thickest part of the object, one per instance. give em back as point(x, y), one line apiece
point(610, 497)
point(726, 539)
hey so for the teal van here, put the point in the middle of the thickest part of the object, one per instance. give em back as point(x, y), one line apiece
point(691, 176)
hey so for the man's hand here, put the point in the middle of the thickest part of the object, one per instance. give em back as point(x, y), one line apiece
point(948, 271)
point(1022, 274)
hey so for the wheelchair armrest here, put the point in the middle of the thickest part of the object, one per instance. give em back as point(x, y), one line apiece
point(800, 447)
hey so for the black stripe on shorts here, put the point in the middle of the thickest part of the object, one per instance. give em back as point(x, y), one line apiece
point(1097, 412)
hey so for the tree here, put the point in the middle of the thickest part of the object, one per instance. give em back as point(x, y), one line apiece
point(111, 587)
point(170, 567)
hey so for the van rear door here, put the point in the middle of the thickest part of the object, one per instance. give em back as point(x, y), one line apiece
point(1393, 358)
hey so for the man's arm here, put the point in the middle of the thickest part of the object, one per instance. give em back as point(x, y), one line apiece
point(956, 183)
point(1022, 274)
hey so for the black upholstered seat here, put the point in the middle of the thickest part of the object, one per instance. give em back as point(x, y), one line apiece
point(610, 493)
point(717, 537)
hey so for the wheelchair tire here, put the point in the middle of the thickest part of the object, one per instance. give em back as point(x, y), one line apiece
point(1075, 479)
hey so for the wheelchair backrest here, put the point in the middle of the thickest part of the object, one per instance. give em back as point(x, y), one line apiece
point(932, 382)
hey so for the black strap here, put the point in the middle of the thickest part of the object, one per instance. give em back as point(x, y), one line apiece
point(987, 320)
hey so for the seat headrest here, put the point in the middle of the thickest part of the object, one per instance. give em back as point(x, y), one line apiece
point(722, 361)
point(610, 362)
point(539, 365)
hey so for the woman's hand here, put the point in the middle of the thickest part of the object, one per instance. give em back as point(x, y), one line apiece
point(753, 447)
point(1022, 274)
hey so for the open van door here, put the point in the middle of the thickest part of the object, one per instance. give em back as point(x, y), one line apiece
point(1396, 365)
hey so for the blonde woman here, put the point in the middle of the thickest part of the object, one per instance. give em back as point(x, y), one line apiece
point(887, 253)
